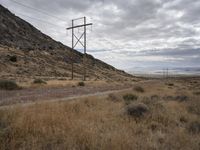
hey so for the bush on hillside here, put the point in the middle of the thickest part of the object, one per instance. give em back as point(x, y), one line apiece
point(128, 98)
point(8, 85)
point(81, 84)
point(39, 81)
point(13, 58)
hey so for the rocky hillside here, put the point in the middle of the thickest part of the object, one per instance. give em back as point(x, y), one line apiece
point(27, 52)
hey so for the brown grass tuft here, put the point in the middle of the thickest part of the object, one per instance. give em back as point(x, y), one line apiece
point(139, 89)
point(136, 110)
point(113, 97)
point(128, 98)
point(194, 127)
point(194, 106)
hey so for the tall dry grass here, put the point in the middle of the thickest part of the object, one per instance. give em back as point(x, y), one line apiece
point(99, 123)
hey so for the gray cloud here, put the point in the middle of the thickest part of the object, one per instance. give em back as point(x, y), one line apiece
point(181, 53)
point(125, 32)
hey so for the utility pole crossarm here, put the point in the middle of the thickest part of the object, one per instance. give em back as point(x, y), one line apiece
point(78, 40)
point(89, 24)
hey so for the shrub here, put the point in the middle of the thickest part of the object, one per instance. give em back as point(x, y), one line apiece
point(8, 85)
point(168, 97)
point(183, 119)
point(194, 127)
point(194, 106)
point(196, 93)
point(136, 110)
point(81, 84)
point(129, 98)
point(170, 84)
point(13, 58)
point(39, 81)
point(181, 98)
point(139, 89)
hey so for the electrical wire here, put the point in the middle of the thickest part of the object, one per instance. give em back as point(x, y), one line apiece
point(37, 19)
point(50, 15)
point(38, 10)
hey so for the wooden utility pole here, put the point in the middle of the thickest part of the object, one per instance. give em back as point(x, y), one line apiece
point(72, 48)
point(78, 40)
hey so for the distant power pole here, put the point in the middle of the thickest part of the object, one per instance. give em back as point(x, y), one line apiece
point(167, 73)
point(78, 40)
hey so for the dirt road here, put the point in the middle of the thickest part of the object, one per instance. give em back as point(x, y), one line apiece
point(53, 93)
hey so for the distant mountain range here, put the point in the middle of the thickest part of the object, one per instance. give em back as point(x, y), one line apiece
point(161, 70)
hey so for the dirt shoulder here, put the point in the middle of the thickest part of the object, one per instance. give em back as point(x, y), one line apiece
point(52, 93)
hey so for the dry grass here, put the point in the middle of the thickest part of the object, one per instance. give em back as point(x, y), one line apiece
point(100, 123)
point(139, 89)
point(114, 97)
point(81, 83)
point(194, 105)
point(62, 82)
point(129, 98)
point(39, 81)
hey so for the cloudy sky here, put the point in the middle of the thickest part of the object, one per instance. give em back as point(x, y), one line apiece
point(125, 33)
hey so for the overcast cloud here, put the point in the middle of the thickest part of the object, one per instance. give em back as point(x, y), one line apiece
point(126, 33)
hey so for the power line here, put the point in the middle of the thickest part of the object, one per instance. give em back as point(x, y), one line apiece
point(108, 41)
point(38, 10)
point(48, 14)
point(78, 40)
point(38, 19)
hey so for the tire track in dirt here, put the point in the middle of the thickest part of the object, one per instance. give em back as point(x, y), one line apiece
point(44, 94)
point(64, 98)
